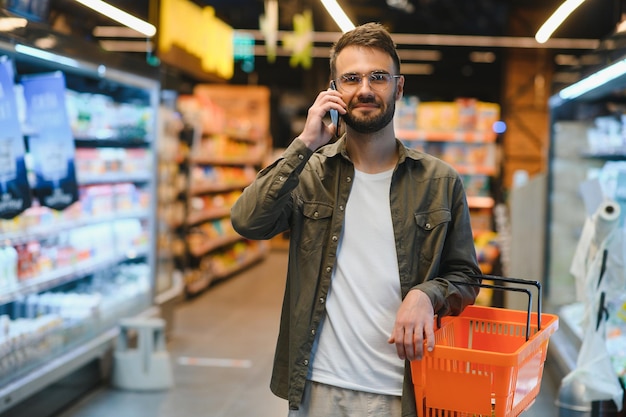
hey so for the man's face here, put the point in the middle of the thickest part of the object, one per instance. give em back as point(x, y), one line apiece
point(371, 106)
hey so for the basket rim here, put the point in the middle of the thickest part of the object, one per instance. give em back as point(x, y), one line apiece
point(550, 324)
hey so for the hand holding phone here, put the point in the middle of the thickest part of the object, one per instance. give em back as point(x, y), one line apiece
point(334, 114)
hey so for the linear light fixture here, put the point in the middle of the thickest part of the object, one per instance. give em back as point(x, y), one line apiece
point(339, 16)
point(594, 81)
point(48, 56)
point(558, 17)
point(120, 16)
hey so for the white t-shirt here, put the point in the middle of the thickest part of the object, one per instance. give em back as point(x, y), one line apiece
point(352, 350)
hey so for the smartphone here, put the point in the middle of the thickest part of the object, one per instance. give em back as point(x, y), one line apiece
point(334, 114)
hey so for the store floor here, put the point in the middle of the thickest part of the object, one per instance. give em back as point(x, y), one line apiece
point(229, 333)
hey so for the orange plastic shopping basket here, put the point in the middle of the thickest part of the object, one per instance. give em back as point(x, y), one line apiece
point(487, 362)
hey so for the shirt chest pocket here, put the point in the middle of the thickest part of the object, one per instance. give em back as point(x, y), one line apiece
point(317, 218)
point(431, 230)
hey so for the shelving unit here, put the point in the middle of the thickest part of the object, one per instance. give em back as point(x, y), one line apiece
point(588, 147)
point(81, 269)
point(230, 144)
point(461, 134)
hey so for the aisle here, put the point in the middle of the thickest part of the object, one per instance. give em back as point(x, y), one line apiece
point(233, 328)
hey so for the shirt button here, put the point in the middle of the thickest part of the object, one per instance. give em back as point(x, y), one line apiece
point(281, 178)
point(313, 332)
point(428, 226)
point(341, 208)
point(334, 238)
point(301, 157)
point(316, 214)
point(348, 179)
point(322, 300)
point(305, 362)
point(328, 269)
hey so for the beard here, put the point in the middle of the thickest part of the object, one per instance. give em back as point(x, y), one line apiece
point(371, 124)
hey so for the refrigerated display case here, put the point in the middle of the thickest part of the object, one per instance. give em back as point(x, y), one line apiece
point(587, 168)
point(79, 269)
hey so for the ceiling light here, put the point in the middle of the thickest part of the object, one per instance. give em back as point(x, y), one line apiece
point(339, 16)
point(120, 16)
point(547, 29)
point(594, 81)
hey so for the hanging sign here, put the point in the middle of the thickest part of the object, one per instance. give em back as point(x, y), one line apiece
point(15, 193)
point(206, 42)
point(268, 23)
point(52, 143)
point(244, 51)
point(300, 42)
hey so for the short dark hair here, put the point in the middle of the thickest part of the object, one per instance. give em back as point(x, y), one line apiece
point(372, 35)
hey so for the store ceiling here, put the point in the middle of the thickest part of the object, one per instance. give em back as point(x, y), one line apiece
point(462, 17)
point(453, 75)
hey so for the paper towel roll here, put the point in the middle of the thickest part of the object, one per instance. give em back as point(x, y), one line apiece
point(606, 218)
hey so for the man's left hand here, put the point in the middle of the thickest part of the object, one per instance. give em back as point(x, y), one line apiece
point(414, 324)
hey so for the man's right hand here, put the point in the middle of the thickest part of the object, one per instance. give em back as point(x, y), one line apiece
point(316, 133)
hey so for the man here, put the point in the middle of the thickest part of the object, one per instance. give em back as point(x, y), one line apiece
point(378, 233)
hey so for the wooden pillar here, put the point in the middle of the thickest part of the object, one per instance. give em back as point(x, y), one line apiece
point(526, 90)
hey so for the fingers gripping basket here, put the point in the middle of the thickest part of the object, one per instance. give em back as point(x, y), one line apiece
point(487, 362)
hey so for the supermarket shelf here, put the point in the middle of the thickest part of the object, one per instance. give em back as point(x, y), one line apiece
point(244, 137)
point(228, 160)
point(249, 259)
point(114, 178)
point(31, 383)
point(54, 370)
point(618, 155)
point(476, 170)
point(447, 135)
point(63, 275)
point(206, 188)
point(480, 202)
point(211, 214)
point(112, 143)
point(41, 231)
point(200, 284)
point(212, 244)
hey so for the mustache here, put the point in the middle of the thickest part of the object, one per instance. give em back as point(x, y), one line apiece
point(367, 99)
point(363, 100)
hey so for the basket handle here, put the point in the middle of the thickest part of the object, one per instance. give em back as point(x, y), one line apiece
point(518, 281)
point(504, 288)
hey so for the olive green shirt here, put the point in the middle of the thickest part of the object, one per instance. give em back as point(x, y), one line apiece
point(306, 192)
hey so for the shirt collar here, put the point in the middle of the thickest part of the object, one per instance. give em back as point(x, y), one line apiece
point(339, 148)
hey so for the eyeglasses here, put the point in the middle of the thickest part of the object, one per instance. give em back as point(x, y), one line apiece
point(378, 81)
